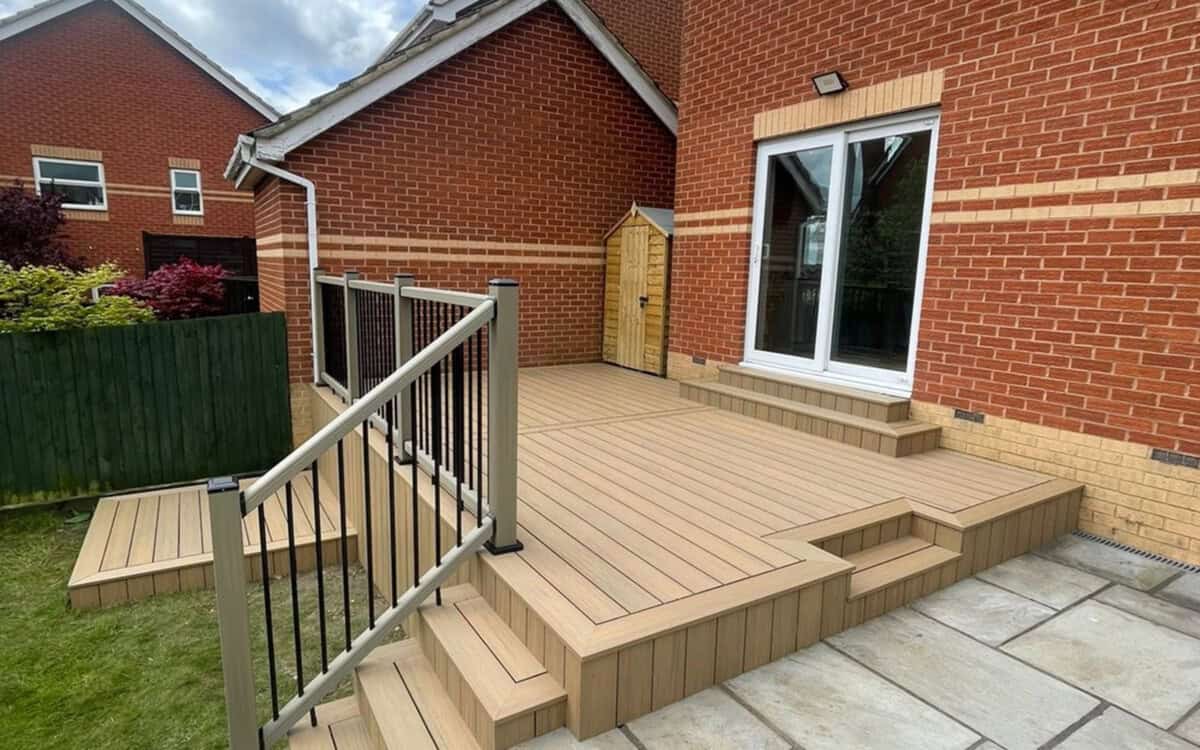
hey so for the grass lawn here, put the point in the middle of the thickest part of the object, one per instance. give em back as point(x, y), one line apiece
point(142, 675)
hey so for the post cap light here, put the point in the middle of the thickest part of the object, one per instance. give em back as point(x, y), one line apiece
point(829, 83)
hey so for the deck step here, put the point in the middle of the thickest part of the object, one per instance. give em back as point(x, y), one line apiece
point(896, 563)
point(339, 727)
point(502, 690)
point(895, 439)
point(874, 406)
point(404, 705)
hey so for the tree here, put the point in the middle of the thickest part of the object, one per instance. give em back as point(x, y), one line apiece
point(49, 298)
point(29, 227)
point(182, 290)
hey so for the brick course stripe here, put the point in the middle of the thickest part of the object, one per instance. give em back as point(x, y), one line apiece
point(1072, 211)
point(728, 213)
point(712, 229)
point(1059, 187)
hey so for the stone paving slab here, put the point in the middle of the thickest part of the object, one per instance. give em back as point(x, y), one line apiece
point(1116, 730)
point(1184, 591)
point(1189, 729)
point(1044, 581)
point(825, 701)
point(706, 721)
point(1148, 670)
point(562, 739)
point(982, 611)
point(1152, 609)
point(1114, 564)
point(994, 695)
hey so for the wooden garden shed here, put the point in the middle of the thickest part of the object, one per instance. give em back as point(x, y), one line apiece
point(635, 289)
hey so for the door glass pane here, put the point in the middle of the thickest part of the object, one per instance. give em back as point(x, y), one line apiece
point(881, 243)
point(793, 250)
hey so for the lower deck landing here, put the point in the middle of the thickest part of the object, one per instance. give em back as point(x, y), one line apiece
point(159, 542)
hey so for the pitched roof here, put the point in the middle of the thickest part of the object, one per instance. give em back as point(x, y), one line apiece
point(400, 66)
point(51, 9)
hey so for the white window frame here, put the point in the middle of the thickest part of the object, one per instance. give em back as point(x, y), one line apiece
point(822, 366)
point(198, 190)
point(102, 184)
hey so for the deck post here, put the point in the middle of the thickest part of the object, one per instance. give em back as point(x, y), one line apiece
point(403, 309)
point(353, 385)
point(233, 616)
point(318, 323)
point(502, 416)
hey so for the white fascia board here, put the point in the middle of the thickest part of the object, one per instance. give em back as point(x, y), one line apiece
point(620, 59)
point(49, 11)
point(277, 147)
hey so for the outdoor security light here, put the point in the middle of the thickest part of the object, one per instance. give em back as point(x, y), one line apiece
point(829, 83)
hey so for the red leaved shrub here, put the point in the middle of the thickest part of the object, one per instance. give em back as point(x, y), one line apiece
point(183, 290)
point(29, 229)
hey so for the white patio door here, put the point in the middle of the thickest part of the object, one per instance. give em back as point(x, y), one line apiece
point(841, 223)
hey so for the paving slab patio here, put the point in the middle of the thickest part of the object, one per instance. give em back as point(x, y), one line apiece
point(824, 701)
point(1185, 590)
point(1116, 730)
point(709, 720)
point(1114, 564)
point(1189, 728)
point(1045, 581)
point(983, 611)
point(562, 739)
point(996, 696)
point(1153, 609)
point(1150, 671)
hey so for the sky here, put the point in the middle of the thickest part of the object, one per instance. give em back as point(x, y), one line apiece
point(286, 51)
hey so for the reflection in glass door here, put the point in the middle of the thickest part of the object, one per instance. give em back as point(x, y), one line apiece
point(840, 230)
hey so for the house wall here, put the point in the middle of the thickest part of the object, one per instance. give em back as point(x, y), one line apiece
point(651, 32)
point(510, 160)
point(96, 80)
point(1062, 297)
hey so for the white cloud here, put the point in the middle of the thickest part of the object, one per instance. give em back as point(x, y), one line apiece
point(287, 51)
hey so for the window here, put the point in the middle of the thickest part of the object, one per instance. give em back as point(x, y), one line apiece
point(80, 183)
point(185, 192)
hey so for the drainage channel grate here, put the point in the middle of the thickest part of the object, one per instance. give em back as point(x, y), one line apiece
point(1140, 553)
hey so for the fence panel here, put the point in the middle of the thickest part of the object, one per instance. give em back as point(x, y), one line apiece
point(105, 409)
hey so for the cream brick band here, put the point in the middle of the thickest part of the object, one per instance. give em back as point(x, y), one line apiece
point(66, 152)
point(340, 247)
point(890, 97)
point(178, 162)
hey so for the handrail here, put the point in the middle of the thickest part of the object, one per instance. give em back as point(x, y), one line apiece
point(462, 299)
point(359, 411)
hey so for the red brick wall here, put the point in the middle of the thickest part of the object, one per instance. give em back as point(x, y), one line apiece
point(1088, 324)
point(512, 159)
point(652, 32)
point(97, 79)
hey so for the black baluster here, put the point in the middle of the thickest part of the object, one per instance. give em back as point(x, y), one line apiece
point(264, 560)
point(295, 585)
point(341, 477)
point(436, 419)
point(456, 383)
point(469, 453)
point(479, 426)
point(366, 450)
point(416, 518)
point(316, 488)
point(391, 481)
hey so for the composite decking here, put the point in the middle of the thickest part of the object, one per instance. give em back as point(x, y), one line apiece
point(157, 542)
point(631, 497)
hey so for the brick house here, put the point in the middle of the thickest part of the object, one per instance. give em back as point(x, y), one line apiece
point(109, 105)
point(995, 217)
point(501, 141)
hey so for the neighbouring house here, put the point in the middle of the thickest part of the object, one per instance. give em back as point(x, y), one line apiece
point(106, 104)
point(497, 139)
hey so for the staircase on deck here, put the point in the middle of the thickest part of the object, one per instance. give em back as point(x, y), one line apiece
point(477, 670)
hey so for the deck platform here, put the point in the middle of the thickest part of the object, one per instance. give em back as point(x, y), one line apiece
point(157, 542)
point(670, 545)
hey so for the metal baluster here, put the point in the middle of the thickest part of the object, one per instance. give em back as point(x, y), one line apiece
point(469, 453)
point(456, 382)
point(445, 392)
point(341, 471)
point(436, 419)
point(263, 557)
point(479, 426)
point(416, 518)
point(295, 586)
point(391, 481)
point(316, 487)
point(366, 451)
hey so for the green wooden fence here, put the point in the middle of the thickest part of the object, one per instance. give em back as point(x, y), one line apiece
point(103, 409)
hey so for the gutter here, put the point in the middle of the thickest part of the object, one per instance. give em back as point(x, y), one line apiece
point(244, 155)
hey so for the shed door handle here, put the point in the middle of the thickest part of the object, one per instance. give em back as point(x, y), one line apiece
point(643, 300)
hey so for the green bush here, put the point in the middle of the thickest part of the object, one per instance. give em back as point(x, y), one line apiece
point(47, 298)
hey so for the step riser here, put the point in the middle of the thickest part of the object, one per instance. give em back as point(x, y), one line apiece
point(900, 593)
point(815, 396)
point(856, 437)
point(868, 536)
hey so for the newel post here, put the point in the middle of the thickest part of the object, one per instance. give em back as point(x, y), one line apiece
point(502, 416)
point(233, 616)
point(403, 309)
point(353, 385)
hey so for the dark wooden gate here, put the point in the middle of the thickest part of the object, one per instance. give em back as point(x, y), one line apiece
point(237, 255)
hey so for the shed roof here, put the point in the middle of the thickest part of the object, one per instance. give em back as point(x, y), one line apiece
point(663, 219)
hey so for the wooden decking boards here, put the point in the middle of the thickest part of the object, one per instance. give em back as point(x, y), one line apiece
point(158, 542)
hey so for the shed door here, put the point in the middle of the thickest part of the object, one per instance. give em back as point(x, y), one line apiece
point(631, 324)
